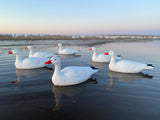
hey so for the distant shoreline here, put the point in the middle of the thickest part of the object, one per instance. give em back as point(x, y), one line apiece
point(79, 37)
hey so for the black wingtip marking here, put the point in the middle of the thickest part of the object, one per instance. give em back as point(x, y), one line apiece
point(119, 56)
point(94, 68)
point(150, 65)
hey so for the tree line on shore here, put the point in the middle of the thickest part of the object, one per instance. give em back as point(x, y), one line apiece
point(74, 37)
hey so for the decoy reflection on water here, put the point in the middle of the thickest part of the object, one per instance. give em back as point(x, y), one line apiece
point(100, 65)
point(123, 77)
point(30, 73)
point(69, 91)
point(68, 56)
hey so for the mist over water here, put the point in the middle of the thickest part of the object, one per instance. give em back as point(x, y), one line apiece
point(109, 95)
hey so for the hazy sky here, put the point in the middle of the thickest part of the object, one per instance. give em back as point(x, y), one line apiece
point(80, 16)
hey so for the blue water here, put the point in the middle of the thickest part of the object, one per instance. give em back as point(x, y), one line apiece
point(108, 96)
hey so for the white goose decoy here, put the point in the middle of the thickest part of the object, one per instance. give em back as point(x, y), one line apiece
point(101, 57)
point(67, 51)
point(39, 54)
point(28, 63)
point(70, 75)
point(126, 66)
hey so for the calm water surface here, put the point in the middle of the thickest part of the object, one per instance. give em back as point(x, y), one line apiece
point(108, 96)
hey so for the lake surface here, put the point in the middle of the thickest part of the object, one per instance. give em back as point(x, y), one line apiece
point(108, 96)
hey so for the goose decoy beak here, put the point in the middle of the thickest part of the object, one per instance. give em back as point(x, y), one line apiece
point(106, 53)
point(48, 62)
point(10, 52)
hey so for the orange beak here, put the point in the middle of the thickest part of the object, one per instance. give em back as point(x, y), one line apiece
point(48, 62)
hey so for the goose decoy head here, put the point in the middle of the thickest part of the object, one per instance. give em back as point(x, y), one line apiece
point(110, 53)
point(14, 51)
point(53, 60)
point(93, 48)
point(28, 47)
point(59, 44)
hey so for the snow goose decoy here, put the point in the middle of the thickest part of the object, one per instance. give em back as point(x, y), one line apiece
point(28, 63)
point(67, 51)
point(70, 75)
point(101, 57)
point(126, 66)
point(39, 54)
